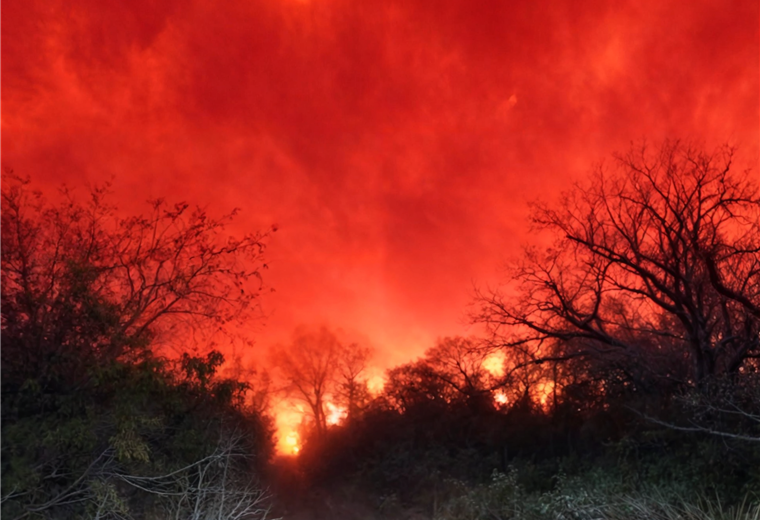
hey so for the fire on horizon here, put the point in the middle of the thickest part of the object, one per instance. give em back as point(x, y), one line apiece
point(394, 144)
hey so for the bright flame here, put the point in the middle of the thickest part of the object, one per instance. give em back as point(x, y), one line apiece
point(494, 364)
point(288, 419)
point(291, 440)
point(545, 391)
point(375, 385)
point(500, 397)
point(335, 414)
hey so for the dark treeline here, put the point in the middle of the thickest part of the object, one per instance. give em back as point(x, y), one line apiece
point(629, 354)
point(618, 375)
point(423, 432)
point(97, 421)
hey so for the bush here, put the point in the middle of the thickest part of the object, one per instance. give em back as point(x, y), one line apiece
point(92, 417)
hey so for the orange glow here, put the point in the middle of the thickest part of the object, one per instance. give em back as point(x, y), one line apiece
point(375, 385)
point(289, 417)
point(394, 144)
point(292, 443)
point(494, 364)
point(544, 392)
point(335, 414)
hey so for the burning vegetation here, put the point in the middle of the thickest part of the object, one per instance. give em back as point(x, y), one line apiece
point(619, 359)
point(625, 353)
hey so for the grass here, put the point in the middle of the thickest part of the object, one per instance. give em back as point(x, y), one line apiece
point(587, 497)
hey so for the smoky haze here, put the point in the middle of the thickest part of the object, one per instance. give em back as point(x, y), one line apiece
point(393, 144)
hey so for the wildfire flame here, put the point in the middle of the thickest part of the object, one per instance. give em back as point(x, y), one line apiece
point(291, 440)
point(494, 364)
point(290, 416)
point(335, 414)
point(288, 419)
point(545, 391)
point(375, 384)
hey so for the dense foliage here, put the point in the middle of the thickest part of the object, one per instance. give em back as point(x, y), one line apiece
point(619, 377)
point(96, 423)
point(422, 449)
point(628, 367)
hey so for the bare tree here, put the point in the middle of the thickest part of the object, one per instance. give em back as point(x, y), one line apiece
point(309, 365)
point(459, 362)
point(453, 371)
point(79, 280)
point(351, 390)
point(654, 269)
point(317, 368)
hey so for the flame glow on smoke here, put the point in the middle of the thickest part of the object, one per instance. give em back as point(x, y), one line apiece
point(544, 391)
point(494, 364)
point(292, 417)
point(375, 384)
point(289, 418)
point(335, 414)
point(291, 441)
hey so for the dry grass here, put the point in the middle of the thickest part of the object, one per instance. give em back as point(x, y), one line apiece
point(587, 499)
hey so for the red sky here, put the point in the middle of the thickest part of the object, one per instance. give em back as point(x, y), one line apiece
point(394, 143)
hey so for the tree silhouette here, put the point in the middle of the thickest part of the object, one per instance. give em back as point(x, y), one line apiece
point(351, 390)
point(78, 280)
point(91, 410)
point(654, 270)
point(318, 368)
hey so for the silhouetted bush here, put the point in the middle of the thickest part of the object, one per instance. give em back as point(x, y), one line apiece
point(95, 423)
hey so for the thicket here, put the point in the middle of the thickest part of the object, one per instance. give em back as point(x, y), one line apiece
point(415, 454)
point(629, 348)
point(98, 420)
point(626, 381)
